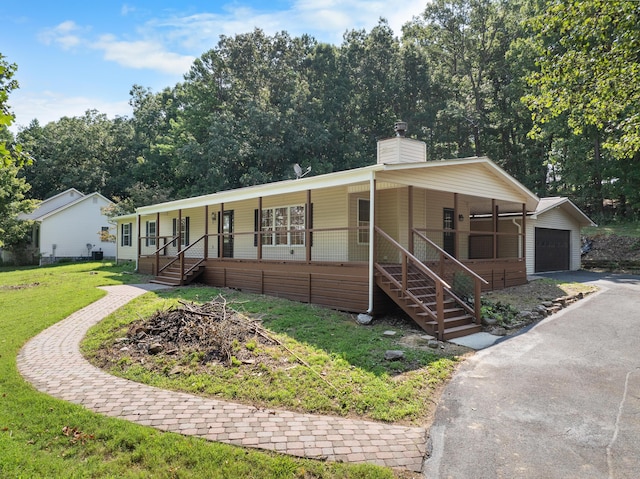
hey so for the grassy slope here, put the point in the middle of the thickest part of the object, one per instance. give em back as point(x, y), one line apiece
point(31, 441)
point(631, 229)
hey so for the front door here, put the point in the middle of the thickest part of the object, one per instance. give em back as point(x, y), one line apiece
point(449, 237)
point(227, 234)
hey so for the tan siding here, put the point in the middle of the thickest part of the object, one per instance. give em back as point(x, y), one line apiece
point(330, 210)
point(401, 150)
point(419, 208)
point(244, 226)
point(357, 251)
point(470, 179)
point(127, 253)
point(436, 201)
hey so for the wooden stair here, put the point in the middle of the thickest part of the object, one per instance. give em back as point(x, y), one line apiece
point(419, 302)
point(172, 275)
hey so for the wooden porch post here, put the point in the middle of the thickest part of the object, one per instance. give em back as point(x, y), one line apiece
point(179, 230)
point(455, 225)
point(494, 213)
point(307, 226)
point(524, 231)
point(220, 228)
point(410, 220)
point(206, 232)
point(259, 225)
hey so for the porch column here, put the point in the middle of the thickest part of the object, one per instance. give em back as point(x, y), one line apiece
point(372, 239)
point(206, 232)
point(259, 225)
point(220, 229)
point(179, 230)
point(410, 219)
point(455, 225)
point(139, 237)
point(308, 225)
point(524, 231)
point(494, 212)
point(158, 242)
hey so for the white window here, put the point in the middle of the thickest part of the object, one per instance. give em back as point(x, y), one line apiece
point(151, 233)
point(283, 226)
point(363, 221)
point(125, 236)
point(184, 231)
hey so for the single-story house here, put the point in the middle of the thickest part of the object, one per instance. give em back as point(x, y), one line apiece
point(71, 225)
point(399, 231)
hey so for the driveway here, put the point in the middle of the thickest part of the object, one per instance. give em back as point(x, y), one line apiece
point(559, 401)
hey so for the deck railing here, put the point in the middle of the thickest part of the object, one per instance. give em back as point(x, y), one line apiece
point(464, 283)
point(320, 245)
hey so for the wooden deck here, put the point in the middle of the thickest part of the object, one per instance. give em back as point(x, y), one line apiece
point(342, 286)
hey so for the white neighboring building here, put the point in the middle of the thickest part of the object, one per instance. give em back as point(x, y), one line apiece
point(69, 225)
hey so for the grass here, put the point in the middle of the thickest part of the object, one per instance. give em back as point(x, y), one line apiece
point(347, 374)
point(32, 442)
point(631, 229)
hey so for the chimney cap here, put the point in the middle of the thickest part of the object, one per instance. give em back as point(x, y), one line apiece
point(400, 127)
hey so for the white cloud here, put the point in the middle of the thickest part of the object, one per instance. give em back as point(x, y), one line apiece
point(66, 35)
point(141, 54)
point(126, 10)
point(326, 20)
point(50, 106)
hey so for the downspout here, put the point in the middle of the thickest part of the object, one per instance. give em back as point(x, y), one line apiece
point(372, 231)
point(137, 242)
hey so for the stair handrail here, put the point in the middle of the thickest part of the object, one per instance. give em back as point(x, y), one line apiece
point(441, 284)
point(478, 280)
point(180, 257)
point(165, 245)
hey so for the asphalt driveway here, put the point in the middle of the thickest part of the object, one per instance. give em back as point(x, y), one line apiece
point(559, 401)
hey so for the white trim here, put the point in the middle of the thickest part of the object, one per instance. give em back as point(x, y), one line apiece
point(340, 178)
point(372, 223)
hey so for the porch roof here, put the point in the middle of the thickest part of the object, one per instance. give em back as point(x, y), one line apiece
point(347, 177)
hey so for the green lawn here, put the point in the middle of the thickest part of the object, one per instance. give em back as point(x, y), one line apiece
point(326, 362)
point(32, 443)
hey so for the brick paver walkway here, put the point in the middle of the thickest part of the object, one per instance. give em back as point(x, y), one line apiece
point(52, 362)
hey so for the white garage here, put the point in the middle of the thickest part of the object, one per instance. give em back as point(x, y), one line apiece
point(553, 236)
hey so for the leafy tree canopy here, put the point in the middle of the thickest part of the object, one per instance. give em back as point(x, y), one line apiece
point(12, 188)
point(589, 60)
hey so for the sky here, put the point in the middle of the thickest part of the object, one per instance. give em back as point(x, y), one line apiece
point(78, 55)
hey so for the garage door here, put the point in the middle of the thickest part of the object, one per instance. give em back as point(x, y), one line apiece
point(552, 250)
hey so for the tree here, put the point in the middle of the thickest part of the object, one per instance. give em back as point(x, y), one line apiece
point(89, 152)
point(589, 62)
point(12, 188)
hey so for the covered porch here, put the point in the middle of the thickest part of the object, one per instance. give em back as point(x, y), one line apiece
point(314, 245)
